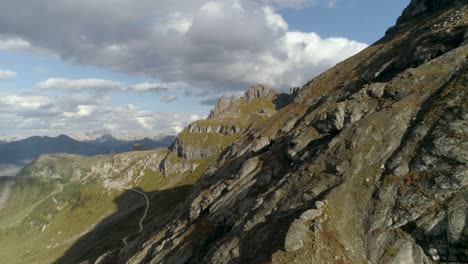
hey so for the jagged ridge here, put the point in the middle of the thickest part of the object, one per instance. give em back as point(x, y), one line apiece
point(368, 164)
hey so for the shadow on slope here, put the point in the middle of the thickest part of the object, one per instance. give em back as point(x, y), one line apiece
point(108, 235)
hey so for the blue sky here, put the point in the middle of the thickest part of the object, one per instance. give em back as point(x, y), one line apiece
point(147, 70)
point(361, 20)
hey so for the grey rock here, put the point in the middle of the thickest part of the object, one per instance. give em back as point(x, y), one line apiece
point(401, 169)
point(376, 90)
point(222, 129)
point(259, 91)
point(296, 236)
point(457, 220)
point(320, 204)
point(310, 214)
point(222, 104)
point(331, 120)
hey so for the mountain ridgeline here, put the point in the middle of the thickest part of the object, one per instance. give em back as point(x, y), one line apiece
point(19, 153)
point(366, 163)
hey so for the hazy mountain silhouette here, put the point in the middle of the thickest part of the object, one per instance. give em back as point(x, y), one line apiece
point(21, 152)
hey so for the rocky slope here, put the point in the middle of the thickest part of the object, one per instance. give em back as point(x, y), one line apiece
point(66, 204)
point(368, 164)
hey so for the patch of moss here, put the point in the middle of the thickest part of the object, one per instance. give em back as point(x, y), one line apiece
point(205, 140)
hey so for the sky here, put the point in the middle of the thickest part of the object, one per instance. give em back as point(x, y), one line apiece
point(141, 68)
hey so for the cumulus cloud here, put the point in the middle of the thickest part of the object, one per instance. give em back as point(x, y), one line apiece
point(26, 114)
point(6, 74)
point(203, 44)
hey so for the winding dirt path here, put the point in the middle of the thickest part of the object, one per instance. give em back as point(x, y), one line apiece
point(144, 214)
point(146, 209)
point(115, 185)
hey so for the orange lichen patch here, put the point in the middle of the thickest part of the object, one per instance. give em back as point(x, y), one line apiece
point(202, 228)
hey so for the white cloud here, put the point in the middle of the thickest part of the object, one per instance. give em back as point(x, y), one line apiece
point(207, 45)
point(204, 47)
point(101, 85)
point(17, 103)
point(17, 44)
point(23, 115)
point(80, 84)
point(81, 111)
point(274, 21)
point(195, 118)
point(6, 74)
point(144, 122)
point(177, 128)
point(149, 87)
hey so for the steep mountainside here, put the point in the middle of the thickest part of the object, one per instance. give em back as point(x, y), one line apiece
point(367, 165)
point(66, 204)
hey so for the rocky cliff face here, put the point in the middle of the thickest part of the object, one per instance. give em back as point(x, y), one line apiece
point(367, 165)
point(227, 121)
point(226, 108)
point(421, 7)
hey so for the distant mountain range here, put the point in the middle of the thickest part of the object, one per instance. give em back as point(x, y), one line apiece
point(14, 155)
point(114, 145)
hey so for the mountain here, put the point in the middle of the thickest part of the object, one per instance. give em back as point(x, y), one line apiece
point(32, 147)
point(112, 144)
point(54, 201)
point(366, 163)
point(18, 153)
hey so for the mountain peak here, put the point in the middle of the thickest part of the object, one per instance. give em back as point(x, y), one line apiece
point(64, 137)
point(259, 91)
point(420, 7)
point(222, 104)
point(234, 106)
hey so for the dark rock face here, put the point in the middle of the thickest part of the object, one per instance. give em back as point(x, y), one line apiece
point(222, 105)
point(229, 108)
point(259, 91)
point(368, 164)
point(419, 7)
point(223, 129)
